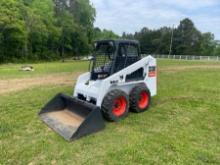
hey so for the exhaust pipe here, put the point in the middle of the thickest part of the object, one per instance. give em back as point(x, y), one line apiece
point(71, 117)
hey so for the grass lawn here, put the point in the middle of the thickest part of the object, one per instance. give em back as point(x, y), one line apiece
point(12, 70)
point(181, 127)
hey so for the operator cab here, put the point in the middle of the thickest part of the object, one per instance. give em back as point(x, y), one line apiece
point(111, 56)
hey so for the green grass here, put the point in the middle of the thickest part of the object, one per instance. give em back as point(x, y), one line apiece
point(12, 71)
point(165, 62)
point(181, 127)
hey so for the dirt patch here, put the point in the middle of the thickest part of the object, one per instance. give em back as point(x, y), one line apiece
point(183, 68)
point(12, 85)
point(8, 86)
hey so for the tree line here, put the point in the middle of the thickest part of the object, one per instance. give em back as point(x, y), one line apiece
point(185, 39)
point(35, 30)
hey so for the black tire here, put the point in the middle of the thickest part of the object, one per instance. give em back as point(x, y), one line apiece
point(109, 103)
point(136, 96)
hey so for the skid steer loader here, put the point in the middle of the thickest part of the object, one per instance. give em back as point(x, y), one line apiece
point(118, 81)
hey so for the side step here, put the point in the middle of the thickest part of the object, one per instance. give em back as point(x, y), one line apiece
point(71, 117)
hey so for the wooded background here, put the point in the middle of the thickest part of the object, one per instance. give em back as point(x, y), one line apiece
point(45, 30)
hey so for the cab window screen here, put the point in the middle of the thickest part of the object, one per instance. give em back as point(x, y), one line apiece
point(132, 50)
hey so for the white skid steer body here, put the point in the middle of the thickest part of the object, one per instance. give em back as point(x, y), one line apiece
point(95, 91)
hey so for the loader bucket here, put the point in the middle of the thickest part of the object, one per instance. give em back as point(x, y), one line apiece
point(71, 117)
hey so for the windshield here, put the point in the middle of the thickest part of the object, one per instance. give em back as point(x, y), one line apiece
point(103, 57)
point(105, 49)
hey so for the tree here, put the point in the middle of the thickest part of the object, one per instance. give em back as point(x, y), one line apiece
point(217, 49)
point(12, 31)
point(43, 33)
point(152, 41)
point(99, 34)
point(54, 29)
point(84, 14)
point(45, 30)
point(67, 25)
point(76, 21)
point(187, 38)
point(208, 44)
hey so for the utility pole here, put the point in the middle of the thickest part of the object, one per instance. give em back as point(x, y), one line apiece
point(171, 41)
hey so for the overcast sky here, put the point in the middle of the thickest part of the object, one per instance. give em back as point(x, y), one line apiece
point(132, 15)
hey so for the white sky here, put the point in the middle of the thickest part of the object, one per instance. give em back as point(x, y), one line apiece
point(131, 16)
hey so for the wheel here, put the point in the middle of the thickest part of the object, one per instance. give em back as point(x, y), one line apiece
point(115, 105)
point(140, 98)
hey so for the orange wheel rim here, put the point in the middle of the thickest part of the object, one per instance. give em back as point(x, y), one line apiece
point(143, 100)
point(119, 106)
